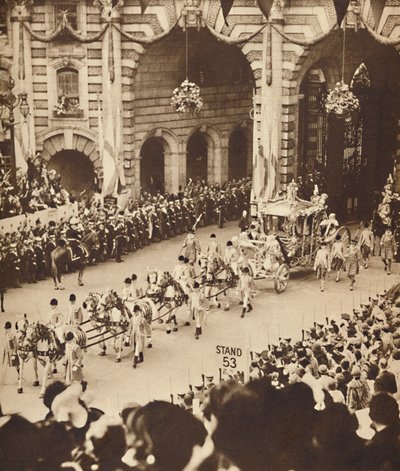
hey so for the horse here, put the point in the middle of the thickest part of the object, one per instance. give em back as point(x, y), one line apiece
point(166, 292)
point(40, 343)
point(216, 274)
point(64, 254)
point(108, 315)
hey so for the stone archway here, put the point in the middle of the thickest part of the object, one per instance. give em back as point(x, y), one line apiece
point(165, 144)
point(66, 163)
point(203, 155)
point(73, 153)
point(152, 165)
point(354, 172)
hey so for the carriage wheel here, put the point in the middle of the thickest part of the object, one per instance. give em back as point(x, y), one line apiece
point(281, 279)
point(344, 232)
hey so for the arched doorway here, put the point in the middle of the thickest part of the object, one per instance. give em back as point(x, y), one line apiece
point(197, 157)
point(349, 159)
point(152, 165)
point(75, 168)
point(239, 153)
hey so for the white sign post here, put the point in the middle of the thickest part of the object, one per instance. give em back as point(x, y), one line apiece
point(233, 362)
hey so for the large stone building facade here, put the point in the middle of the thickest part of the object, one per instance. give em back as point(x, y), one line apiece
point(262, 87)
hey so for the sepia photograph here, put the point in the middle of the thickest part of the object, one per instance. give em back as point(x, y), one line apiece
point(199, 235)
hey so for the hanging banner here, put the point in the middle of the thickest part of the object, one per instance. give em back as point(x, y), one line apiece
point(265, 6)
point(341, 9)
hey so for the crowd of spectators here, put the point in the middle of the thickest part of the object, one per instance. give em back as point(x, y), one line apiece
point(299, 411)
point(39, 188)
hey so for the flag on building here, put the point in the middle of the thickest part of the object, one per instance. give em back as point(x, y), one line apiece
point(107, 149)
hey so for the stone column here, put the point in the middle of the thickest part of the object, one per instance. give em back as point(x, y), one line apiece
point(182, 163)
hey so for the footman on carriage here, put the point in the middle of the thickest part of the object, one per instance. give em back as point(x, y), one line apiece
point(295, 229)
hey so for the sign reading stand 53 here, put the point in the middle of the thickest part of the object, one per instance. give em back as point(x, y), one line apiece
point(233, 363)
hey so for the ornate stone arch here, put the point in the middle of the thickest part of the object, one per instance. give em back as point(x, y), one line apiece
point(82, 140)
point(171, 156)
point(215, 143)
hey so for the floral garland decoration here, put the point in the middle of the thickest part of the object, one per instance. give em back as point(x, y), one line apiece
point(341, 100)
point(186, 98)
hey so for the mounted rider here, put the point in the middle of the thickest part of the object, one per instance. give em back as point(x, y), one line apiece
point(74, 236)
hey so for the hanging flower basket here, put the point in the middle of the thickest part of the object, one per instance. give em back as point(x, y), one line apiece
point(186, 98)
point(341, 100)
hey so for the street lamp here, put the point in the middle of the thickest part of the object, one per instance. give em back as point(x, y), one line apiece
point(9, 101)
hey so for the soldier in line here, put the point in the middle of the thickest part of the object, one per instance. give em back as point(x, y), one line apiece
point(129, 232)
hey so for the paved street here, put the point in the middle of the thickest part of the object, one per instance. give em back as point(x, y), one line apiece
point(178, 359)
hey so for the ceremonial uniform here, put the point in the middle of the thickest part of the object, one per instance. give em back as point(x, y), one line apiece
point(366, 243)
point(352, 264)
point(28, 264)
point(337, 257)
point(231, 258)
point(213, 250)
point(12, 267)
point(73, 367)
point(74, 315)
point(246, 288)
point(10, 357)
point(197, 302)
point(321, 265)
point(388, 250)
point(40, 260)
point(192, 248)
point(136, 331)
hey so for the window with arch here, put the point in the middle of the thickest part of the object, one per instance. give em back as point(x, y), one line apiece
point(68, 93)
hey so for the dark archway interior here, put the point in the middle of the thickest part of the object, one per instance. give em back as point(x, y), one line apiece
point(379, 115)
point(197, 157)
point(152, 165)
point(238, 156)
point(75, 168)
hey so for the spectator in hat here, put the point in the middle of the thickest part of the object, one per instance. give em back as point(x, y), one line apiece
point(383, 450)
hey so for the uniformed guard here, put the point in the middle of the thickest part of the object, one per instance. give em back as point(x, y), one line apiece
point(74, 315)
point(12, 266)
point(136, 331)
point(198, 303)
point(49, 246)
point(191, 247)
point(28, 263)
point(246, 288)
point(74, 359)
point(213, 249)
point(40, 259)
